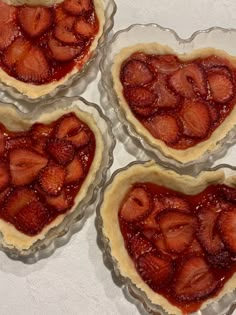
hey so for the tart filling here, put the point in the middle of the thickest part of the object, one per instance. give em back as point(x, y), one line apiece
point(173, 235)
point(46, 169)
point(182, 104)
point(43, 46)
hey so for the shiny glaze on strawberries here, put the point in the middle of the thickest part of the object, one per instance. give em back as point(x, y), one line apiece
point(42, 170)
point(42, 44)
point(182, 246)
point(180, 103)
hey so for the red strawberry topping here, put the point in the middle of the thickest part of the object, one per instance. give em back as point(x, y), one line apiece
point(8, 28)
point(2, 141)
point(195, 280)
point(74, 171)
point(64, 31)
point(77, 7)
point(173, 202)
point(61, 202)
point(154, 270)
point(68, 125)
point(4, 175)
point(34, 20)
point(62, 52)
point(62, 151)
point(85, 27)
point(164, 127)
point(166, 64)
point(166, 99)
point(226, 225)
point(25, 165)
point(139, 96)
point(180, 81)
point(150, 221)
point(195, 118)
point(51, 179)
point(221, 86)
point(19, 142)
point(79, 138)
point(138, 245)
point(136, 206)
point(136, 73)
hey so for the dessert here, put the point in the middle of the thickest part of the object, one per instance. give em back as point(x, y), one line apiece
point(46, 169)
point(42, 46)
point(172, 235)
point(181, 104)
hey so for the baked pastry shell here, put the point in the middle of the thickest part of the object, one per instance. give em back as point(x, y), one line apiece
point(216, 38)
point(71, 222)
point(77, 81)
point(110, 239)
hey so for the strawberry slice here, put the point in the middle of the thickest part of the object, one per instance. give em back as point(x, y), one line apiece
point(166, 99)
point(139, 96)
point(194, 280)
point(213, 112)
point(165, 64)
point(136, 73)
point(61, 52)
point(195, 118)
point(188, 81)
point(32, 218)
point(62, 151)
point(4, 195)
point(85, 27)
point(35, 20)
point(173, 202)
point(64, 31)
point(18, 199)
point(74, 171)
point(160, 244)
point(150, 221)
point(178, 229)
point(164, 127)
point(155, 271)
point(2, 141)
point(51, 179)
point(8, 28)
point(136, 206)
point(25, 165)
point(7, 13)
point(195, 248)
point(39, 131)
point(138, 245)
point(146, 111)
point(226, 225)
point(228, 193)
point(214, 61)
point(79, 138)
point(207, 233)
point(77, 7)
point(19, 142)
point(61, 203)
point(68, 125)
point(16, 52)
point(221, 87)
point(4, 175)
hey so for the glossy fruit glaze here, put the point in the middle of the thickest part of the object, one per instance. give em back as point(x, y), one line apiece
point(180, 103)
point(42, 44)
point(182, 246)
point(42, 170)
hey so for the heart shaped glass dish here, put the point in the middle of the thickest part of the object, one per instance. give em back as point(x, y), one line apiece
point(18, 241)
point(115, 249)
point(218, 39)
point(57, 71)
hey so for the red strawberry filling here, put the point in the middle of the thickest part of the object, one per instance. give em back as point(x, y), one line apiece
point(182, 246)
point(179, 103)
point(42, 44)
point(41, 171)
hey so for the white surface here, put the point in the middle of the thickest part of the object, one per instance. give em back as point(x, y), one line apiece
point(74, 280)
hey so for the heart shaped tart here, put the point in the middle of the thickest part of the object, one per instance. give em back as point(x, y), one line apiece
point(46, 169)
point(181, 104)
point(172, 235)
point(42, 46)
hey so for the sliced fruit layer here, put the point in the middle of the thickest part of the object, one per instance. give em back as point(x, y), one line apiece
point(42, 170)
point(42, 44)
point(182, 246)
point(179, 103)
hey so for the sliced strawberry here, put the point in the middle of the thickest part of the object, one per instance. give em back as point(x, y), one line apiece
point(79, 139)
point(18, 199)
point(35, 20)
point(195, 248)
point(163, 127)
point(8, 28)
point(62, 151)
point(16, 52)
point(196, 119)
point(77, 7)
point(228, 193)
point(74, 171)
point(25, 165)
point(85, 27)
point(173, 202)
point(62, 52)
point(221, 87)
point(139, 96)
point(207, 233)
point(155, 271)
point(136, 73)
point(7, 13)
point(166, 99)
point(67, 125)
point(61, 203)
point(140, 56)
point(32, 218)
point(147, 111)
point(178, 229)
point(212, 62)
point(64, 31)
point(51, 179)
point(19, 142)
point(4, 195)
point(195, 280)
point(166, 64)
point(226, 223)
point(2, 141)
point(138, 245)
point(39, 130)
point(188, 81)
point(4, 175)
point(136, 206)
point(150, 221)
point(213, 112)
